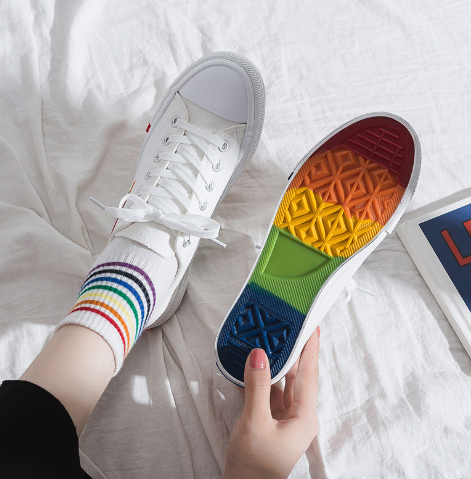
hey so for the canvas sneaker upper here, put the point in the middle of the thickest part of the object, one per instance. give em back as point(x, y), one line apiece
point(189, 159)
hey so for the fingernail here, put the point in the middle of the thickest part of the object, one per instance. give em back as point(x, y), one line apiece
point(318, 332)
point(257, 359)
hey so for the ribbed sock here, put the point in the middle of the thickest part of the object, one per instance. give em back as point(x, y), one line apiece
point(120, 292)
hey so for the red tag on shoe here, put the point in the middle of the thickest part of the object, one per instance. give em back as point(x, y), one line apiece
point(148, 128)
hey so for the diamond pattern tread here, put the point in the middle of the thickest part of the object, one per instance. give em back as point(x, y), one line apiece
point(325, 226)
point(361, 187)
point(258, 320)
point(338, 201)
point(380, 140)
point(271, 310)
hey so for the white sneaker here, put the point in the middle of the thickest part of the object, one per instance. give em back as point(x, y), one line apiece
point(205, 130)
point(344, 197)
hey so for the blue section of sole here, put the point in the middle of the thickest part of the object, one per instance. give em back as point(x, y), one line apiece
point(258, 320)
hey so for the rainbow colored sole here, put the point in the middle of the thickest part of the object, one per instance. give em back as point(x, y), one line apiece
point(337, 202)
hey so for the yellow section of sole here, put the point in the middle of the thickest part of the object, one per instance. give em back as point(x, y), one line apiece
point(325, 226)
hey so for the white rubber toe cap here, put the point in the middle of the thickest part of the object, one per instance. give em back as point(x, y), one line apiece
point(220, 90)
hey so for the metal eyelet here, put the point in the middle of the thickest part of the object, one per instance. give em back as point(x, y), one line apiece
point(210, 187)
point(217, 167)
point(165, 140)
point(156, 159)
point(138, 192)
point(148, 175)
point(203, 206)
point(224, 147)
point(173, 123)
point(186, 243)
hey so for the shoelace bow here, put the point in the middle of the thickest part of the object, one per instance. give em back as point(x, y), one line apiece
point(159, 211)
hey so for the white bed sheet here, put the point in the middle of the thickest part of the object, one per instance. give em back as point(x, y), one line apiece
point(78, 84)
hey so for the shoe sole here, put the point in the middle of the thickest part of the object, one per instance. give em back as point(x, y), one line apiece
point(249, 145)
point(344, 196)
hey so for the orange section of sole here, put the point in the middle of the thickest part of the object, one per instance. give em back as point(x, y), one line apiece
point(363, 188)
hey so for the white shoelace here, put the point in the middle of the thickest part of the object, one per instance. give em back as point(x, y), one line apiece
point(350, 286)
point(167, 213)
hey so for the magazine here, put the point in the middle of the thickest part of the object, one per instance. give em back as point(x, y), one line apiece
point(440, 245)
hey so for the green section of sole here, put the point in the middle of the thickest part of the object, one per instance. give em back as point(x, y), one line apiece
point(292, 270)
point(291, 258)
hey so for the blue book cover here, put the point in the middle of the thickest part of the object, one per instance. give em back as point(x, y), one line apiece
point(450, 237)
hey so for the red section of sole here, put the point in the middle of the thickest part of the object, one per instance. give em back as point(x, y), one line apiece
point(380, 139)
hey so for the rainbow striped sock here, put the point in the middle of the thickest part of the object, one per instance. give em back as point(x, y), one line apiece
point(119, 294)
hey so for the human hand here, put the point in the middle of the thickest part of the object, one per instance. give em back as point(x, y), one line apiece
point(276, 427)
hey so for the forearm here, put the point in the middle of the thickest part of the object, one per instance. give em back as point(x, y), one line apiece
point(75, 367)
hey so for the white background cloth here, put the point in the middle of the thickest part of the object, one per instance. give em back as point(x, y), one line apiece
point(80, 80)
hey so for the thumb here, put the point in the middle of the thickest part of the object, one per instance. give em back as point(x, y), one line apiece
point(257, 381)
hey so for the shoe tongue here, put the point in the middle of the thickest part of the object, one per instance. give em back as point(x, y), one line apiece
point(204, 119)
point(155, 236)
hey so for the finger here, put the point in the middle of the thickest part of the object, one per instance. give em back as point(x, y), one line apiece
point(276, 399)
point(307, 377)
point(277, 405)
point(289, 385)
point(257, 381)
